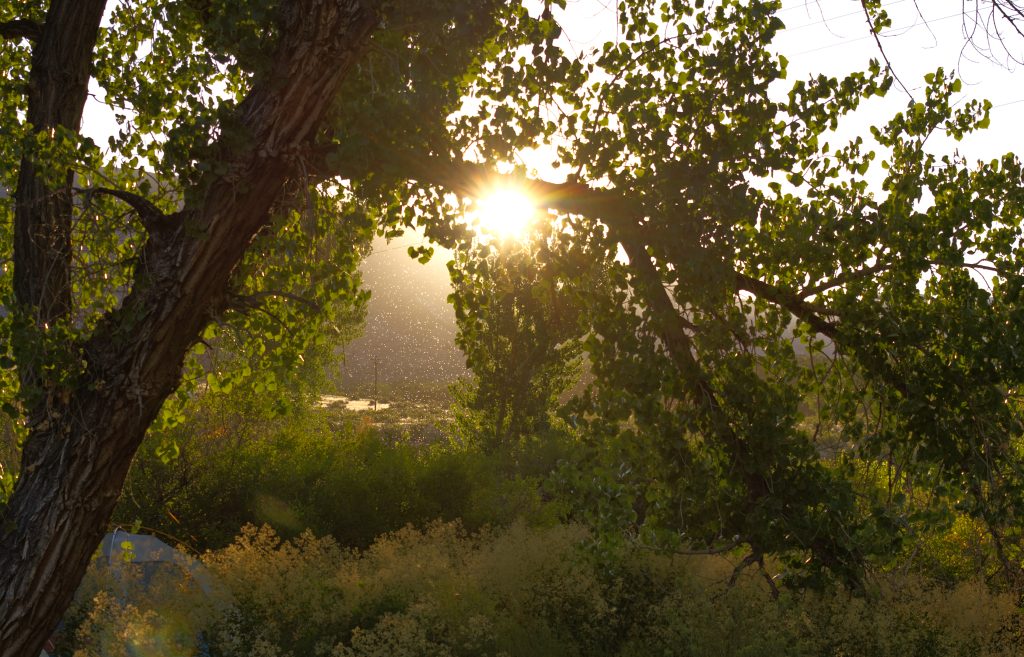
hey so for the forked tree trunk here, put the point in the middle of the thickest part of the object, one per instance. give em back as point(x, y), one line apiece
point(82, 436)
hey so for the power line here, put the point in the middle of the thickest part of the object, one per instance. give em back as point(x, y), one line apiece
point(826, 19)
point(889, 32)
point(1007, 103)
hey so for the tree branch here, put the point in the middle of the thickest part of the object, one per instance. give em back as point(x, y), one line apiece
point(841, 279)
point(151, 216)
point(803, 310)
point(620, 214)
point(473, 180)
point(616, 210)
point(1012, 20)
point(254, 300)
point(21, 28)
point(881, 49)
point(811, 314)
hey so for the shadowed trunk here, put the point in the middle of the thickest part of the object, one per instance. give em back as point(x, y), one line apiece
point(82, 435)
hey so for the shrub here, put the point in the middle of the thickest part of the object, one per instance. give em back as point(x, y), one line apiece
point(122, 613)
point(308, 470)
point(532, 592)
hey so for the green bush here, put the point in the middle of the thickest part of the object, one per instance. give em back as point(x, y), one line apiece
point(532, 592)
point(338, 477)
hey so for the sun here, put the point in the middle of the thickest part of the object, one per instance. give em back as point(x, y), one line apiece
point(504, 214)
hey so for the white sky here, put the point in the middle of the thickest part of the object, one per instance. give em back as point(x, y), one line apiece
point(831, 37)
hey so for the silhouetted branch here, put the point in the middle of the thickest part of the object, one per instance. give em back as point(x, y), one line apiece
point(998, 5)
point(842, 279)
point(878, 42)
point(255, 300)
point(805, 311)
point(21, 28)
point(151, 216)
point(621, 214)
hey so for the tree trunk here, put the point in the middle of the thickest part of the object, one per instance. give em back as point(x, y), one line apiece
point(82, 436)
point(57, 89)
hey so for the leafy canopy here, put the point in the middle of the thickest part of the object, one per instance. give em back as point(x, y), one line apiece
point(774, 316)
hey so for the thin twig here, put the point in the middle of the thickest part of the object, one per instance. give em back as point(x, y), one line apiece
point(881, 49)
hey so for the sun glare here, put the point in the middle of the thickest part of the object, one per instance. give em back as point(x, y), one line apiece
point(505, 214)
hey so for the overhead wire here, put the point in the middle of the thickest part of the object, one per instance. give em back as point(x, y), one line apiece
point(890, 32)
point(827, 19)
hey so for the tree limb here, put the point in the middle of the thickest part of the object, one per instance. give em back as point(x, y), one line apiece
point(810, 314)
point(21, 28)
point(254, 300)
point(803, 310)
point(58, 85)
point(842, 278)
point(1012, 20)
point(473, 179)
point(151, 216)
point(620, 214)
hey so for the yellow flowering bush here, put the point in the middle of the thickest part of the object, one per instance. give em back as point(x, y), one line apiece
point(523, 591)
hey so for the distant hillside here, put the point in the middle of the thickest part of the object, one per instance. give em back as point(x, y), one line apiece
point(410, 327)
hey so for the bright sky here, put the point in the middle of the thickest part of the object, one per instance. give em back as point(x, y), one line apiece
point(831, 37)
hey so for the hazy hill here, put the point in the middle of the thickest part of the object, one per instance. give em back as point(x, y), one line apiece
point(410, 327)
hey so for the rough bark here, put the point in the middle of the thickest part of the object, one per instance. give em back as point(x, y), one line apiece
point(57, 90)
point(83, 435)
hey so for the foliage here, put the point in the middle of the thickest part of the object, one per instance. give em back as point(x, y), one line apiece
point(714, 232)
point(531, 592)
point(330, 473)
point(128, 614)
point(521, 344)
point(302, 301)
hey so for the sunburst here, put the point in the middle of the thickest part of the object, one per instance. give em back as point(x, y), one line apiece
point(504, 214)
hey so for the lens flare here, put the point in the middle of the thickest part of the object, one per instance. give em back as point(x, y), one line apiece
point(505, 214)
